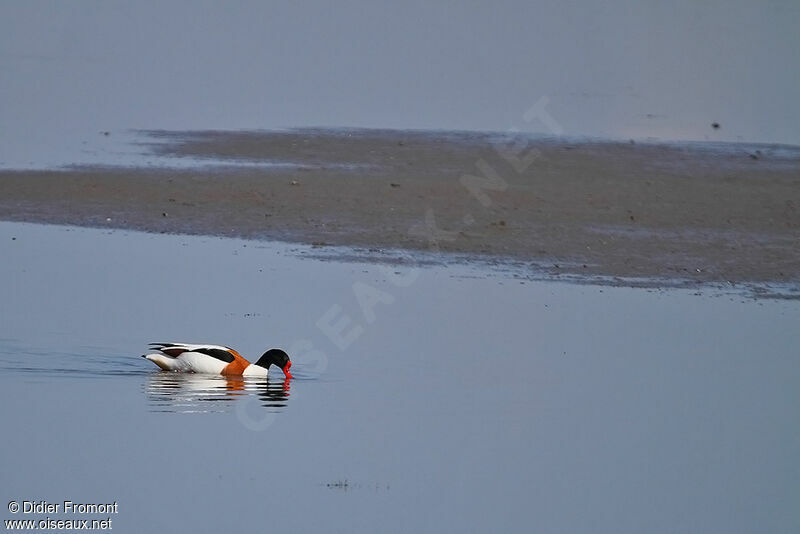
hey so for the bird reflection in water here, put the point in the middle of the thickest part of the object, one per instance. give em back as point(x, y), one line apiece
point(196, 393)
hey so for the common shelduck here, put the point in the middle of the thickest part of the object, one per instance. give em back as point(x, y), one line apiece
point(215, 359)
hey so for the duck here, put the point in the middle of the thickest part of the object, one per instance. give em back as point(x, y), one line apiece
point(215, 359)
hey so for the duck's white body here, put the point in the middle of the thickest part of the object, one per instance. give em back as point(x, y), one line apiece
point(210, 359)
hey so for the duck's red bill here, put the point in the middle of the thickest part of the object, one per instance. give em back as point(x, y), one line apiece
point(286, 370)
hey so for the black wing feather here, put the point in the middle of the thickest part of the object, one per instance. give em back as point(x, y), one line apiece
point(172, 349)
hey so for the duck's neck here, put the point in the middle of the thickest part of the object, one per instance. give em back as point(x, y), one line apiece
point(255, 371)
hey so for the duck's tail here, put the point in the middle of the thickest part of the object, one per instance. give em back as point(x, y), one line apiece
point(161, 360)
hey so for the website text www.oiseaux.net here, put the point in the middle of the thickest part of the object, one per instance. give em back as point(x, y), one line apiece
point(54, 516)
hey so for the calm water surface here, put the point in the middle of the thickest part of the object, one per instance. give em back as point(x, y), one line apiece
point(623, 70)
point(451, 399)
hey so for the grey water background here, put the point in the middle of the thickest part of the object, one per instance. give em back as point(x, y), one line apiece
point(621, 69)
point(475, 400)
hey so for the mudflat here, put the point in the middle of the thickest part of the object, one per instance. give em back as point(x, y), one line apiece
point(696, 212)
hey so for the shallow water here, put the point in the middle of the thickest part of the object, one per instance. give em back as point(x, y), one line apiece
point(623, 70)
point(452, 398)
